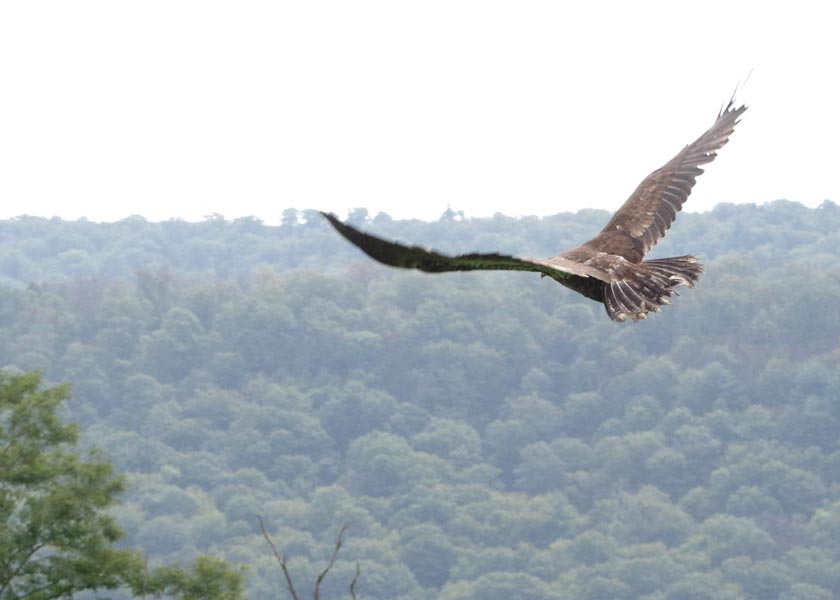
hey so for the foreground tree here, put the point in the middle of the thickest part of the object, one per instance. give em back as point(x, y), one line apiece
point(209, 579)
point(56, 538)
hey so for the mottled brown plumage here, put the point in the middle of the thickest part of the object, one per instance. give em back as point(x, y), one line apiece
point(609, 268)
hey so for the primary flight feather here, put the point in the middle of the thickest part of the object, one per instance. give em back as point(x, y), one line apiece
point(610, 268)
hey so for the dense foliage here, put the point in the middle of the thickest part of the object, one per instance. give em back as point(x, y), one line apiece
point(56, 538)
point(485, 435)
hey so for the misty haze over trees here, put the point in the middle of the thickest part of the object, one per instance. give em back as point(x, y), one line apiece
point(485, 435)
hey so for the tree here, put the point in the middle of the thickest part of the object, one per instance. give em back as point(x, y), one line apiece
point(210, 578)
point(56, 539)
point(427, 551)
point(649, 516)
point(702, 586)
point(499, 585)
point(758, 579)
point(458, 443)
point(380, 464)
point(723, 536)
point(824, 526)
point(601, 588)
point(805, 591)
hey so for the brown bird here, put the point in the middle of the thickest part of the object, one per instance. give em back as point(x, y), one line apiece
point(609, 268)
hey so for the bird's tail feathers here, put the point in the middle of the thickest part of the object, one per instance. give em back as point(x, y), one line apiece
point(646, 287)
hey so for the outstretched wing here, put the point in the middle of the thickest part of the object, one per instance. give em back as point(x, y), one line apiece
point(651, 209)
point(424, 259)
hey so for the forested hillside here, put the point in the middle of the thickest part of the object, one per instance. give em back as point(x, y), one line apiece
point(486, 436)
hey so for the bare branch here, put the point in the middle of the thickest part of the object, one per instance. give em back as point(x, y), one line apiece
point(338, 543)
point(355, 581)
point(280, 559)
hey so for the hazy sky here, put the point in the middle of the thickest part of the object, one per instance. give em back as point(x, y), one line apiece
point(186, 108)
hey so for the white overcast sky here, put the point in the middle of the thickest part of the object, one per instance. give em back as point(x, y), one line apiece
point(186, 108)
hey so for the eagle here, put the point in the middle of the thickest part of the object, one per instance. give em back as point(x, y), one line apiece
point(610, 268)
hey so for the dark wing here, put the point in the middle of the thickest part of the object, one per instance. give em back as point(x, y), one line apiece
point(424, 259)
point(651, 209)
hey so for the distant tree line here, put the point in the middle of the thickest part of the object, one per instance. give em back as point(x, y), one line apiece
point(485, 435)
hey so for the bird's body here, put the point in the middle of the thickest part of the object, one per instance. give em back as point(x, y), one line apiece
point(610, 268)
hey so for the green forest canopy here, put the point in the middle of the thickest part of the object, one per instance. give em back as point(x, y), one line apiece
point(485, 435)
point(57, 539)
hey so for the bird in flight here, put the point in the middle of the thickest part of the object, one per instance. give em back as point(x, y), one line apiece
point(610, 268)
